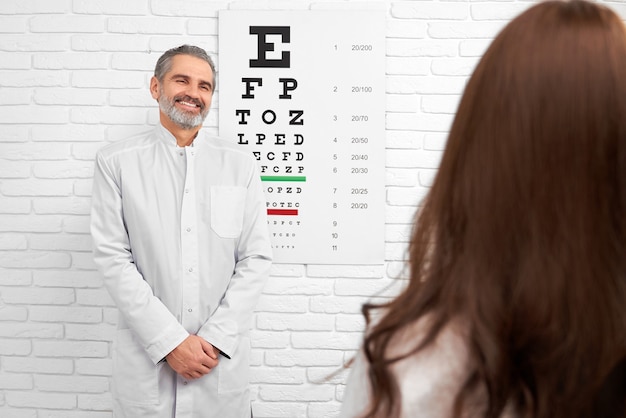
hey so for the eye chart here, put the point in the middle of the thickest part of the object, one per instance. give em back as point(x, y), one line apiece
point(304, 93)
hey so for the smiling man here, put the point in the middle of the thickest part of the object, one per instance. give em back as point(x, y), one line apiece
point(180, 236)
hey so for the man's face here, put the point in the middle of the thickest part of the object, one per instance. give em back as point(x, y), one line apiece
point(186, 91)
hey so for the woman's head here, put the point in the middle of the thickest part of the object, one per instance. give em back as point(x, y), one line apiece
point(539, 136)
point(523, 234)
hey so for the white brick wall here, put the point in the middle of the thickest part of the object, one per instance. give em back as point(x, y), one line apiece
point(74, 76)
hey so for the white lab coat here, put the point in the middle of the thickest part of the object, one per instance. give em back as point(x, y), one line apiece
point(180, 236)
point(428, 381)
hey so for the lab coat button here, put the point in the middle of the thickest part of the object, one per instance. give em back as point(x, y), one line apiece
point(188, 229)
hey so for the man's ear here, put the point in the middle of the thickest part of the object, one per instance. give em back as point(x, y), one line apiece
point(154, 88)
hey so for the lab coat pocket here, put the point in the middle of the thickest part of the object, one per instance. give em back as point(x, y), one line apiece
point(135, 377)
point(227, 208)
point(234, 373)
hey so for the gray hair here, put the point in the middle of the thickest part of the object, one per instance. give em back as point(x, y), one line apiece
point(164, 64)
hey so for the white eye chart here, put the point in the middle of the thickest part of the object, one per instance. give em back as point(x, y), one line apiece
point(304, 93)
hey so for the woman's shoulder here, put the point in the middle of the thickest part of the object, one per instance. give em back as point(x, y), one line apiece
point(430, 378)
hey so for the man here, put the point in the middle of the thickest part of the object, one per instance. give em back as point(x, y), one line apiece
point(180, 236)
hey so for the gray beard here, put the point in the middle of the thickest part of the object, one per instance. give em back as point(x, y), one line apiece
point(180, 117)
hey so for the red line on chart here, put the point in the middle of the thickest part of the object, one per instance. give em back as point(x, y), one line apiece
point(288, 212)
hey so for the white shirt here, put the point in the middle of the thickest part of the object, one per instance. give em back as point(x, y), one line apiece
point(429, 381)
point(180, 236)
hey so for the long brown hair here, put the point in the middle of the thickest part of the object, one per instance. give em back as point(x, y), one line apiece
point(523, 234)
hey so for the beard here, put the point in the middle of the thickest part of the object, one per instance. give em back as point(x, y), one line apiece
point(182, 118)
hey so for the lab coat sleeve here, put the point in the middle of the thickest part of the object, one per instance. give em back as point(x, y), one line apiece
point(156, 328)
point(253, 261)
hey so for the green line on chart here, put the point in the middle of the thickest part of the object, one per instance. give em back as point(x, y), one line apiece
point(283, 178)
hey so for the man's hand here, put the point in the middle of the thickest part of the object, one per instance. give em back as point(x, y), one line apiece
point(193, 358)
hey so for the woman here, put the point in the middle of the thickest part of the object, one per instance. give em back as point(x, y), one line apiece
point(516, 303)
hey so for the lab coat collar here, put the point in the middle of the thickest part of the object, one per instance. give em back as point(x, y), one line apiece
point(169, 139)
